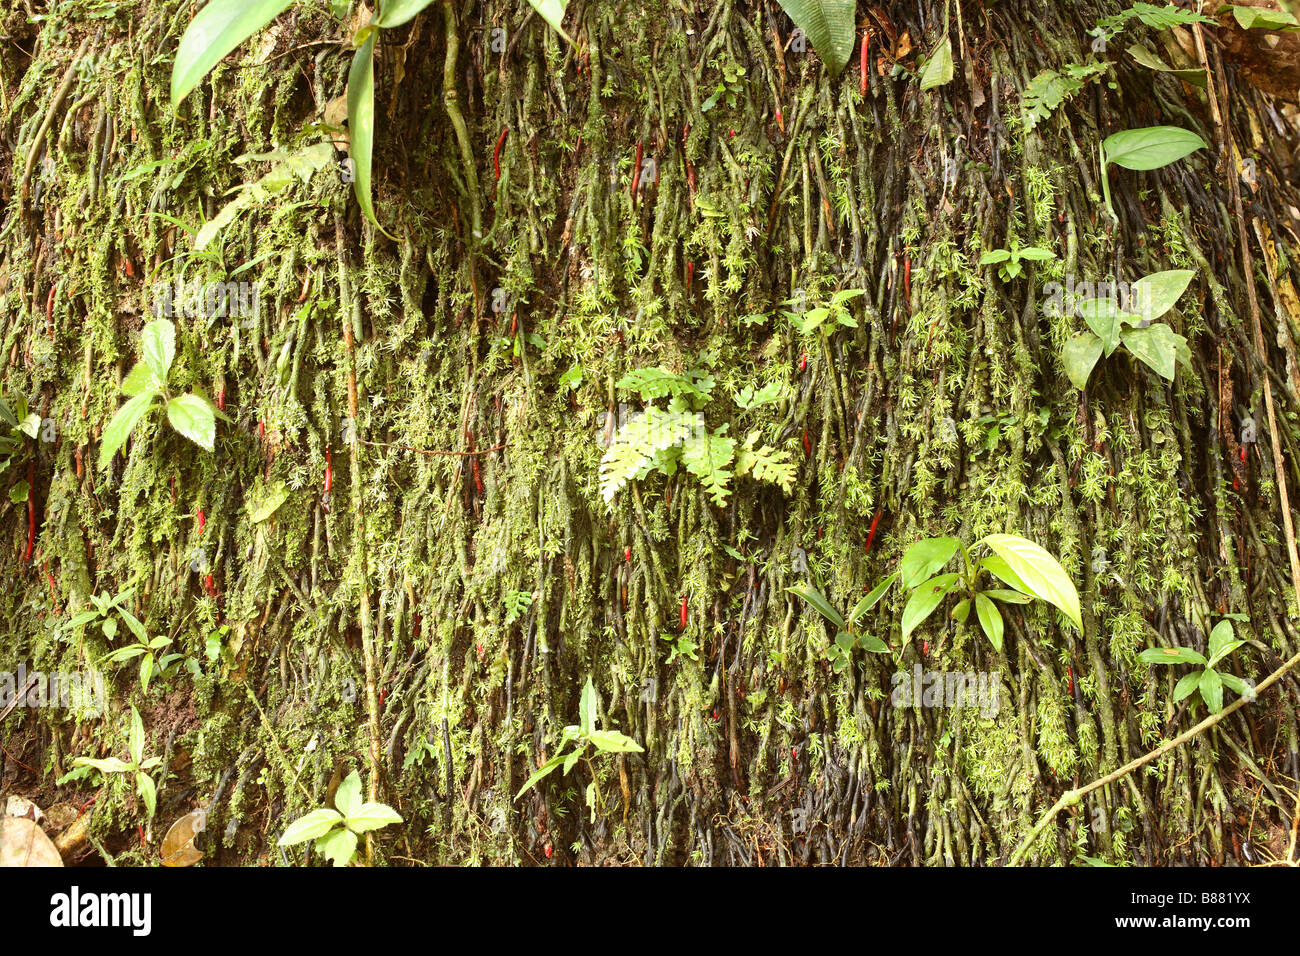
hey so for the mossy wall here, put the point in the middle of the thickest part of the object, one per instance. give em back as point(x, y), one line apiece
point(488, 339)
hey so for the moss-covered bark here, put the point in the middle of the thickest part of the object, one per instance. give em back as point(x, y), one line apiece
point(485, 369)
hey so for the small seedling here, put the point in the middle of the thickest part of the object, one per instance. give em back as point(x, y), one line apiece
point(1208, 682)
point(336, 831)
point(144, 784)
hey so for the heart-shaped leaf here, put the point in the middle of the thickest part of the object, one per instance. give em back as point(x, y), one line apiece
point(1080, 356)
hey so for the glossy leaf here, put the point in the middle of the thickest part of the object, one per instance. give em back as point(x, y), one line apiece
point(194, 418)
point(120, 427)
point(372, 816)
point(338, 846)
point(393, 13)
point(611, 741)
point(588, 704)
point(1171, 655)
point(1186, 685)
point(347, 798)
point(938, 69)
point(217, 29)
point(990, 620)
point(819, 602)
point(1211, 688)
point(313, 826)
point(552, 11)
point(925, 598)
point(158, 341)
point(1150, 147)
point(829, 27)
point(361, 122)
point(1080, 357)
point(1041, 573)
point(1156, 294)
point(1157, 346)
point(924, 558)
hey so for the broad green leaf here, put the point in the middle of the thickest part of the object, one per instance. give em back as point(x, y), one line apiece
point(872, 598)
point(1154, 295)
point(133, 622)
point(999, 568)
point(845, 641)
point(1008, 597)
point(1150, 147)
point(1080, 357)
point(938, 69)
point(874, 644)
point(148, 791)
point(361, 122)
point(124, 654)
point(1041, 573)
point(829, 26)
point(146, 673)
point(1221, 636)
point(588, 704)
point(18, 493)
point(313, 826)
point(994, 257)
point(158, 340)
point(217, 29)
point(139, 379)
point(393, 13)
point(1156, 346)
point(1171, 655)
point(611, 741)
point(1232, 682)
point(107, 765)
point(125, 419)
point(347, 798)
point(990, 620)
point(135, 737)
point(1211, 687)
point(962, 611)
point(819, 602)
point(372, 816)
point(571, 761)
point(925, 598)
point(338, 846)
point(193, 417)
point(924, 558)
point(1035, 254)
point(1196, 77)
point(1259, 18)
point(268, 506)
point(1186, 685)
point(1224, 651)
point(552, 11)
point(1106, 319)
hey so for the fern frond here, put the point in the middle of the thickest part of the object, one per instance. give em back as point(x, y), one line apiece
point(635, 446)
point(766, 464)
point(652, 383)
point(707, 457)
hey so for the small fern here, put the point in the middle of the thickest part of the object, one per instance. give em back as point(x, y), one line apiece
point(708, 458)
point(638, 445)
point(765, 463)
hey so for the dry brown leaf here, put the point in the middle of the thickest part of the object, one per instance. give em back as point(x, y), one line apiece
point(23, 843)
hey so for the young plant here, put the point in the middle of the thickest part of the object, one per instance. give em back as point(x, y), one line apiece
point(144, 784)
point(1154, 343)
point(1208, 682)
point(1141, 149)
point(1008, 260)
point(150, 664)
point(1028, 569)
point(679, 645)
point(828, 317)
point(192, 415)
point(223, 25)
point(336, 831)
point(105, 611)
point(584, 734)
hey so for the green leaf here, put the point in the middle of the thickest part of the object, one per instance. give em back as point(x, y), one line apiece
point(347, 798)
point(1258, 18)
point(872, 598)
point(1157, 346)
point(269, 505)
point(361, 122)
point(1105, 319)
point(588, 704)
point(158, 340)
point(1154, 295)
point(393, 13)
point(148, 791)
point(338, 846)
point(1171, 655)
point(938, 69)
point(829, 26)
point(107, 765)
point(18, 493)
point(1230, 681)
point(194, 418)
point(1008, 597)
point(962, 611)
point(707, 457)
point(1186, 685)
point(873, 644)
point(146, 672)
point(135, 736)
point(1221, 636)
point(611, 741)
point(217, 29)
point(999, 568)
point(372, 816)
point(571, 761)
point(133, 622)
point(1080, 357)
point(1211, 687)
point(819, 602)
point(994, 257)
point(1035, 254)
point(925, 598)
point(990, 620)
point(140, 378)
point(541, 772)
point(926, 557)
point(125, 419)
point(1042, 575)
point(1196, 77)
point(552, 11)
point(1150, 147)
point(313, 826)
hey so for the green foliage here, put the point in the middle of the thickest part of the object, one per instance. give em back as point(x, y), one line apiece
point(680, 646)
point(1157, 18)
point(336, 831)
point(17, 425)
point(1029, 570)
point(659, 439)
point(938, 68)
point(106, 611)
point(516, 603)
point(1150, 147)
point(1208, 682)
point(137, 765)
point(150, 663)
point(1049, 89)
point(582, 735)
point(1154, 343)
point(828, 24)
point(191, 415)
point(827, 317)
point(1261, 18)
point(1009, 261)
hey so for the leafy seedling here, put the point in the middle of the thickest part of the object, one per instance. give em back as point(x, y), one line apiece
point(1207, 682)
point(144, 784)
point(336, 831)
